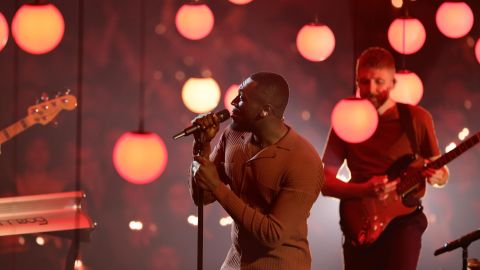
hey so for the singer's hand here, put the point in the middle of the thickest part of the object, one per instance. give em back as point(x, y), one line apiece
point(210, 124)
point(206, 175)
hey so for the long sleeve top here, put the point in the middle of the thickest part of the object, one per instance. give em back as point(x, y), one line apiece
point(270, 196)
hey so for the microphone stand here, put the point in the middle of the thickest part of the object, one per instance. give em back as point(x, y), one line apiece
point(199, 192)
point(200, 230)
point(462, 242)
point(464, 257)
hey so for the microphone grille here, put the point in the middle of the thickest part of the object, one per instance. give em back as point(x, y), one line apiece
point(223, 115)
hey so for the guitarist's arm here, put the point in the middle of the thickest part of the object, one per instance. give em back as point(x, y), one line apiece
point(333, 157)
point(377, 186)
point(429, 148)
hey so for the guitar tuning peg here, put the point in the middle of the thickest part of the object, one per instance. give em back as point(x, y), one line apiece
point(58, 94)
point(67, 92)
point(44, 97)
point(37, 101)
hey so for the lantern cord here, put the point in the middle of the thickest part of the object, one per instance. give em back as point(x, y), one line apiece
point(75, 245)
point(353, 14)
point(15, 102)
point(141, 107)
point(404, 22)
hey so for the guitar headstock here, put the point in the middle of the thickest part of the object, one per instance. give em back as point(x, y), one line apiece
point(46, 111)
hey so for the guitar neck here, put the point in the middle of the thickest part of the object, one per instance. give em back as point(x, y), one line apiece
point(412, 181)
point(14, 129)
point(457, 151)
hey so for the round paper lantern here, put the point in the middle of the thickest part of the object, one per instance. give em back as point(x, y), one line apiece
point(454, 19)
point(477, 50)
point(240, 2)
point(397, 3)
point(201, 95)
point(140, 158)
point(406, 35)
point(354, 120)
point(408, 89)
point(3, 31)
point(315, 42)
point(38, 28)
point(229, 96)
point(194, 21)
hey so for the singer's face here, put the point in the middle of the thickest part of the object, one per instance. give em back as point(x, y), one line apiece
point(375, 84)
point(246, 106)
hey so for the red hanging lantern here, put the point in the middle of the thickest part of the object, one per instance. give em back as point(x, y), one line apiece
point(477, 50)
point(454, 19)
point(201, 95)
point(315, 42)
point(408, 88)
point(406, 35)
point(240, 2)
point(194, 21)
point(3, 31)
point(140, 158)
point(354, 120)
point(230, 94)
point(38, 28)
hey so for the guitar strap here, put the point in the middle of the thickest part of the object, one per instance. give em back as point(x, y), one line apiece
point(406, 121)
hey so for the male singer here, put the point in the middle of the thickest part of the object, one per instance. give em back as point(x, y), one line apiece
point(263, 173)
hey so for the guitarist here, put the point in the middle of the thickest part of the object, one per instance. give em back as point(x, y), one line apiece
point(398, 247)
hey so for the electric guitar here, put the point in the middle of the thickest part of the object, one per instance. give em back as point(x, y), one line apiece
point(363, 220)
point(41, 113)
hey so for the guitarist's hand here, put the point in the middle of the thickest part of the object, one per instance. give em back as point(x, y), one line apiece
point(379, 187)
point(437, 178)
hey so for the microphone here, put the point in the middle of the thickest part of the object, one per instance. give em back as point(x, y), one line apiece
point(463, 241)
point(222, 115)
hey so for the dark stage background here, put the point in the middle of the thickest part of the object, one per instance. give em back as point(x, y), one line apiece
point(246, 39)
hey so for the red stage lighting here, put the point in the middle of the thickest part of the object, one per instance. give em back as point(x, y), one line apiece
point(240, 2)
point(477, 50)
point(454, 19)
point(354, 119)
point(315, 42)
point(140, 158)
point(38, 28)
point(201, 95)
point(408, 89)
point(194, 21)
point(230, 94)
point(406, 35)
point(3, 31)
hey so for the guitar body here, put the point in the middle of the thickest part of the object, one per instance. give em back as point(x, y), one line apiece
point(363, 220)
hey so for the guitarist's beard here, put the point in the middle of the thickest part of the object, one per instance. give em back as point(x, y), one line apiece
point(379, 99)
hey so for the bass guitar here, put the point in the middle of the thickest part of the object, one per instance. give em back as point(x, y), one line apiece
point(41, 113)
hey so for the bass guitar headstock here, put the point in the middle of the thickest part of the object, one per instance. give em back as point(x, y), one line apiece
point(47, 110)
